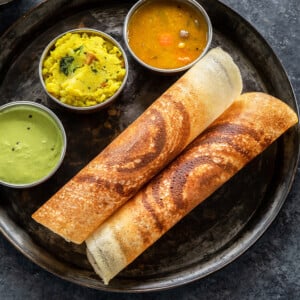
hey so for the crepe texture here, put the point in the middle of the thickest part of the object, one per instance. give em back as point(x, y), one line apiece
point(144, 148)
point(247, 128)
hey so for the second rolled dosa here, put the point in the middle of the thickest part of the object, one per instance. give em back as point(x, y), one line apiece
point(246, 129)
point(144, 148)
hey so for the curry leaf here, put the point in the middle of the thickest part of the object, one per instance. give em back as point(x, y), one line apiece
point(65, 64)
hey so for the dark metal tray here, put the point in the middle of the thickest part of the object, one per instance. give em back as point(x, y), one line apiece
point(212, 235)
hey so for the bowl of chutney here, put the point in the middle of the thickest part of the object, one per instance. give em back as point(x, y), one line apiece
point(167, 36)
point(32, 144)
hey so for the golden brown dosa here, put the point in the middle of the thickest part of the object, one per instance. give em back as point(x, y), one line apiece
point(248, 127)
point(144, 148)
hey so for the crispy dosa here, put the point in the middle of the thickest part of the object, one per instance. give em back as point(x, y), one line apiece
point(144, 148)
point(246, 129)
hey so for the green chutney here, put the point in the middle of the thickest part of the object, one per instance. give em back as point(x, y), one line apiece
point(31, 144)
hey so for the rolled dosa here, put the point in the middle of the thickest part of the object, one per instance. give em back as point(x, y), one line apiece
point(248, 127)
point(144, 148)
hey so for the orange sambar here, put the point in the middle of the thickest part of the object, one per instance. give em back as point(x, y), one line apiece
point(167, 34)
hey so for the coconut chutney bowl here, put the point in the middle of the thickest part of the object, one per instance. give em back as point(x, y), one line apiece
point(32, 142)
point(167, 36)
point(83, 70)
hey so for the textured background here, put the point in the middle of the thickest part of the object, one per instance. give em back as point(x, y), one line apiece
point(268, 270)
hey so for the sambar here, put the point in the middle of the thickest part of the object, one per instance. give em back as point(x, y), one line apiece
point(167, 34)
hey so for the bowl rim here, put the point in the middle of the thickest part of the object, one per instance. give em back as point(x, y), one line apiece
point(96, 106)
point(192, 3)
point(55, 118)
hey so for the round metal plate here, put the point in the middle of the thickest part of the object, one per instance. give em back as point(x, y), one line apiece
point(212, 235)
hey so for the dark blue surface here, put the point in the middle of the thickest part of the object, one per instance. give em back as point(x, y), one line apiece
point(268, 270)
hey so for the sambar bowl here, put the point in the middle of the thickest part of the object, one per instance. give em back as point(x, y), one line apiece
point(167, 36)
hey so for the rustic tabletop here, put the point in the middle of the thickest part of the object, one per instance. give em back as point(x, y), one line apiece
point(268, 270)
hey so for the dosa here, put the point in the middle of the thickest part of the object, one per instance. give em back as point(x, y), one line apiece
point(144, 148)
point(248, 127)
